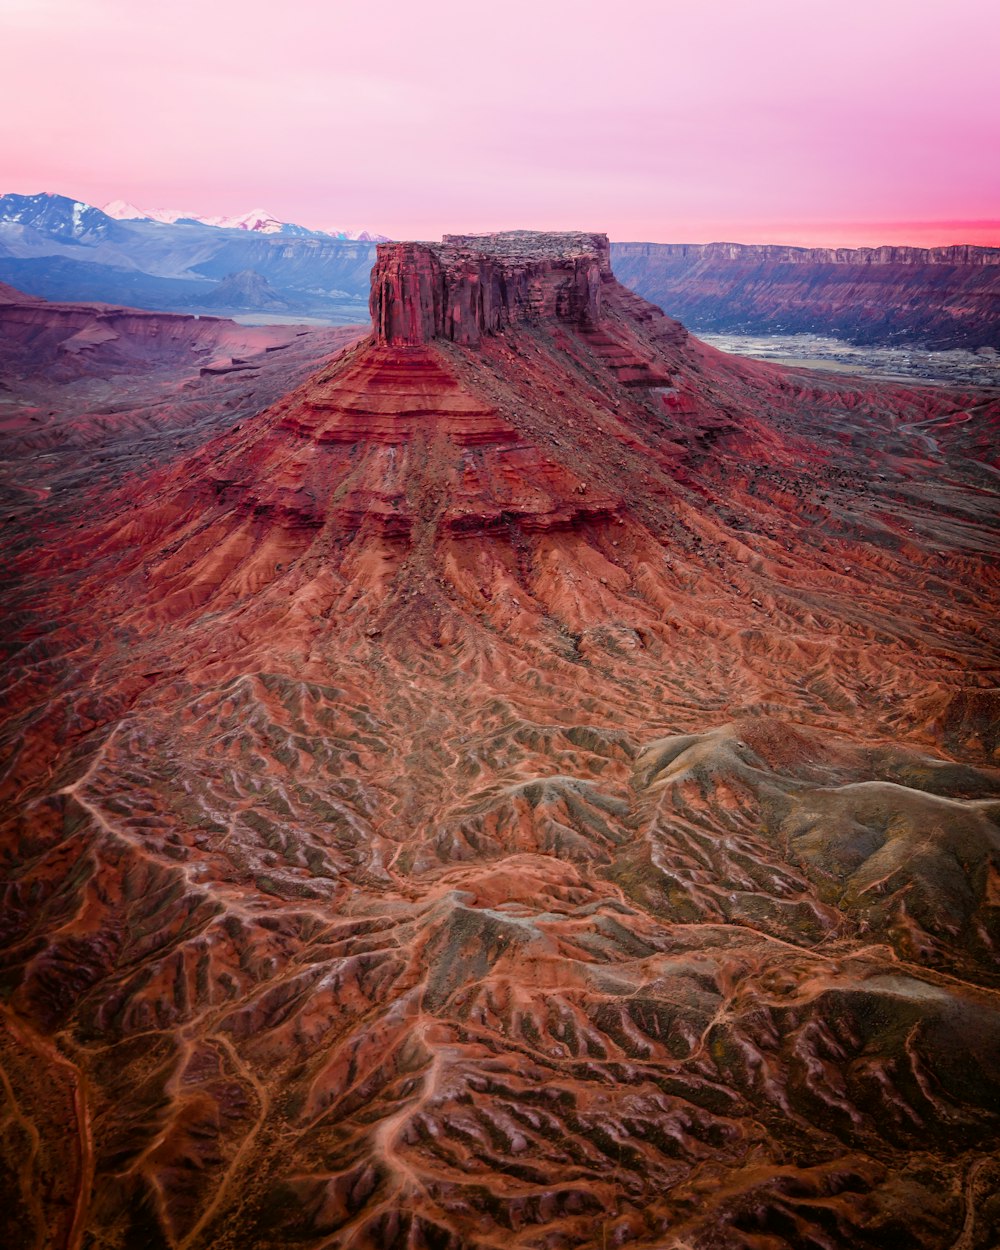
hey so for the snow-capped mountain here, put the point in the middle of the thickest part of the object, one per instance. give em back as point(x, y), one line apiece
point(57, 216)
point(64, 249)
point(357, 236)
point(122, 210)
point(258, 220)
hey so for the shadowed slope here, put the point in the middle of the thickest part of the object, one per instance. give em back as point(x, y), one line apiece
point(532, 786)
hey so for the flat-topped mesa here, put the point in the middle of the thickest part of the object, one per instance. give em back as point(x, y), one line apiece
point(470, 285)
point(782, 254)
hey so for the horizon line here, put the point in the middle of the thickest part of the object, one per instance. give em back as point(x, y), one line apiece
point(847, 226)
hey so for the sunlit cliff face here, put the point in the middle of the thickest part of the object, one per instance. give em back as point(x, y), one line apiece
point(532, 785)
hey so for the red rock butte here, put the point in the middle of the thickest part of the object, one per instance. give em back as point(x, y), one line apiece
point(469, 285)
point(532, 785)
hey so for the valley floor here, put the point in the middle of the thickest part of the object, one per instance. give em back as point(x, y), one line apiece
point(817, 351)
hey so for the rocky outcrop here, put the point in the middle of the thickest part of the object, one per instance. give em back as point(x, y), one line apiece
point(940, 297)
point(468, 286)
point(247, 289)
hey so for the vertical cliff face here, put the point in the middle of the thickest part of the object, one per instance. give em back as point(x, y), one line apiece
point(468, 286)
point(405, 300)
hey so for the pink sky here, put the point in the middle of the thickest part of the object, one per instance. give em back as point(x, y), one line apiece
point(800, 121)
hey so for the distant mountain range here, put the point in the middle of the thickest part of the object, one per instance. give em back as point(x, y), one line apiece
point(258, 220)
point(174, 261)
point(63, 249)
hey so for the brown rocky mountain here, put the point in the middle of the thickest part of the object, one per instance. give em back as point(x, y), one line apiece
point(940, 297)
point(247, 289)
point(533, 785)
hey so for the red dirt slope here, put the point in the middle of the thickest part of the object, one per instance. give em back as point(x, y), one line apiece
point(533, 786)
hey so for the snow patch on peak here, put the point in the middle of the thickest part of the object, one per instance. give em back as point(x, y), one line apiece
point(357, 236)
point(257, 221)
point(122, 210)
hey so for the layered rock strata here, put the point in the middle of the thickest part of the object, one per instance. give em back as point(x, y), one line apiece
point(940, 297)
point(468, 286)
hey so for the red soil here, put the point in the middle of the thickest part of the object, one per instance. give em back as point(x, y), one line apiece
point(539, 793)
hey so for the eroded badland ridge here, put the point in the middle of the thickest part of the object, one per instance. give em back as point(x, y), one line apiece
point(534, 785)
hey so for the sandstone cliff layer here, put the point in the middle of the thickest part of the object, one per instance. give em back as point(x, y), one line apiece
point(938, 297)
point(470, 285)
